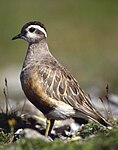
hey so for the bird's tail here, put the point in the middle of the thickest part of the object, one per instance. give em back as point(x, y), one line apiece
point(97, 117)
point(90, 112)
point(86, 110)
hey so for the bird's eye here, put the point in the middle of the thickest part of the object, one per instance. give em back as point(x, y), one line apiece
point(32, 29)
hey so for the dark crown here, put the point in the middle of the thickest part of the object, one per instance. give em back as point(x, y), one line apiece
point(33, 23)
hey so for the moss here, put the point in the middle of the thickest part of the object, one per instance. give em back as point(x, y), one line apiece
point(100, 141)
point(5, 137)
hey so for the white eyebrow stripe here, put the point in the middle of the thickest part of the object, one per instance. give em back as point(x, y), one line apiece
point(38, 27)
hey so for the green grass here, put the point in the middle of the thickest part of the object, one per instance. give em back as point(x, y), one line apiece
point(91, 136)
point(99, 142)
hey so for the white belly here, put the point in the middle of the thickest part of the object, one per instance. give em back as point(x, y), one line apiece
point(60, 113)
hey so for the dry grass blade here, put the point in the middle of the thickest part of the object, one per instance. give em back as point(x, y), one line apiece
point(23, 107)
point(6, 94)
point(109, 114)
point(106, 103)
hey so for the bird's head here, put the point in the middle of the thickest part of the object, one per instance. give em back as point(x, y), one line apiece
point(32, 32)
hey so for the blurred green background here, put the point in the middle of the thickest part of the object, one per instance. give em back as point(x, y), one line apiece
point(82, 35)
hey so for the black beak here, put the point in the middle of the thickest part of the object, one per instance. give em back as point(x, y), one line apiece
point(19, 36)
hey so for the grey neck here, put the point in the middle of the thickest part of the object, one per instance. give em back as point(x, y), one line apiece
point(36, 52)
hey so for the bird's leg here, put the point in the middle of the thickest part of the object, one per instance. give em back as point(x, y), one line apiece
point(49, 126)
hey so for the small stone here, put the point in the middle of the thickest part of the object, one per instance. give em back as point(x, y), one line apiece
point(33, 134)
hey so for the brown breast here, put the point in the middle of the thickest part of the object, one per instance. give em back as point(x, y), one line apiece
point(34, 91)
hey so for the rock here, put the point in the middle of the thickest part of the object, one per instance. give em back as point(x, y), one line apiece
point(30, 133)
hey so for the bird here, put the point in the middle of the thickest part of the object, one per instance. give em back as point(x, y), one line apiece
point(48, 85)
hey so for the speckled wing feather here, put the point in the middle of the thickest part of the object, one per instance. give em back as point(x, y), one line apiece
point(60, 85)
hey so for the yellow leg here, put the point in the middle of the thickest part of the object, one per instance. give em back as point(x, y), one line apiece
point(49, 126)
